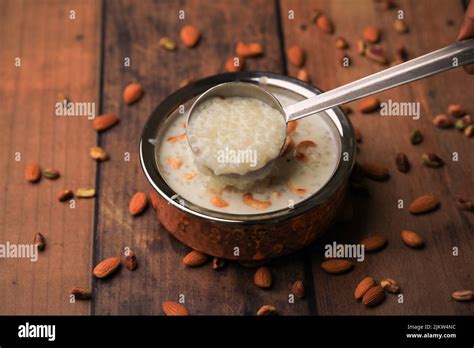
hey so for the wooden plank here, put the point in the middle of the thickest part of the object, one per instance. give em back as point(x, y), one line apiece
point(58, 55)
point(427, 276)
point(133, 30)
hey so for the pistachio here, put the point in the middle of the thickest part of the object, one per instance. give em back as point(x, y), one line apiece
point(217, 263)
point(377, 54)
point(469, 131)
point(416, 137)
point(390, 285)
point(432, 160)
point(51, 174)
point(167, 43)
point(402, 162)
point(459, 125)
point(464, 204)
point(85, 192)
point(463, 122)
point(98, 153)
point(40, 242)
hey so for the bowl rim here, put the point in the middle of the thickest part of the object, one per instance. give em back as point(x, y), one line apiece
point(182, 95)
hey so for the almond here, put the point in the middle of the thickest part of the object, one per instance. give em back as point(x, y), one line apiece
point(341, 43)
point(104, 122)
point(424, 204)
point(296, 56)
point(369, 104)
point(131, 261)
point(291, 126)
point(375, 171)
point(336, 266)
point(190, 35)
point(456, 110)
point(374, 243)
point(390, 285)
point(189, 176)
point(50, 173)
point(442, 121)
point(107, 267)
point(65, 195)
point(361, 47)
point(263, 278)
point(246, 50)
point(267, 310)
point(40, 243)
point(297, 289)
point(174, 163)
point(171, 308)
point(98, 153)
point(412, 239)
point(132, 93)
point(138, 203)
point(303, 75)
point(219, 202)
point(81, 293)
point(371, 34)
point(365, 285)
point(33, 172)
point(324, 23)
point(154, 200)
point(463, 295)
point(217, 263)
point(374, 296)
point(400, 26)
point(194, 259)
point(185, 82)
point(234, 64)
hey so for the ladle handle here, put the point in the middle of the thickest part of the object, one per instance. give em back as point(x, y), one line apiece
point(449, 57)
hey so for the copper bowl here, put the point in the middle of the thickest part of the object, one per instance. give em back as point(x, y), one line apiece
point(247, 237)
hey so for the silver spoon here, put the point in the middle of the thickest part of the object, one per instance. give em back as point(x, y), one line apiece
point(449, 57)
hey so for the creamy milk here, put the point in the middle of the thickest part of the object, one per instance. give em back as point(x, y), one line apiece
point(296, 175)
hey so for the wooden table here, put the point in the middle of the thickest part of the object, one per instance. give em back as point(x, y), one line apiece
point(83, 59)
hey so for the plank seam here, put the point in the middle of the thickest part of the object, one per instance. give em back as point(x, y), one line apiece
point(95, 246)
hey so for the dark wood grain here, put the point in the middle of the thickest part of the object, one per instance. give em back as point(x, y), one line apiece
point(133, 29)
point(427, 276)
point(58, 56)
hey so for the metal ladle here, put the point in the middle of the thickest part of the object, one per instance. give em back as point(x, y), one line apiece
point(449, 57)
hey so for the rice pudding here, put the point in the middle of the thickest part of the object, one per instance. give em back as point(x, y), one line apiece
point(310, 157)
point(235, 135)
